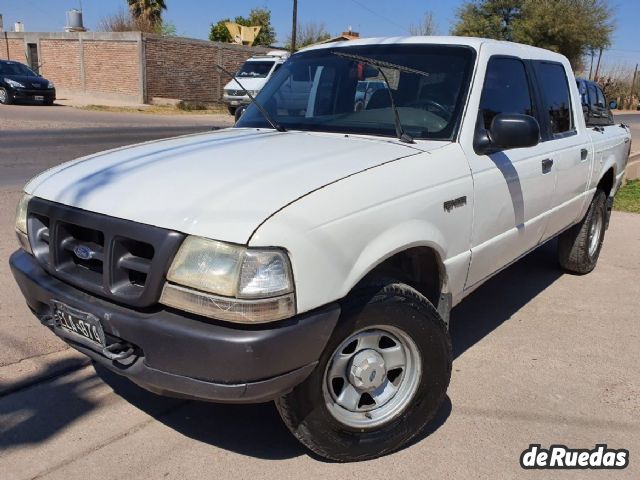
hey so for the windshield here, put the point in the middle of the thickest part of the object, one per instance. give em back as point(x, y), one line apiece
point(255, 69)
point(321, 91)
point(16, 69)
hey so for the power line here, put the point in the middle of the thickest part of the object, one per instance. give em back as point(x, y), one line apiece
point(367, 8)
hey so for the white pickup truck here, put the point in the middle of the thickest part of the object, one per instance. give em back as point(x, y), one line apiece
point(311, 255)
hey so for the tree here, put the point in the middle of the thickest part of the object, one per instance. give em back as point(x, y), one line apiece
point(149, 11)
point(570, 27)
point(488, 18)
point(308, 34)
point(257, 17)
point(428, 26)
point(123, 21)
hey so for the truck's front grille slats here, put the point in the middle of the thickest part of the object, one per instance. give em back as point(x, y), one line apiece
point(118, 259)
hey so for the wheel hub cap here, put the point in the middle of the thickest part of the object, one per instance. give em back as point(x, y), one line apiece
point(367, 370)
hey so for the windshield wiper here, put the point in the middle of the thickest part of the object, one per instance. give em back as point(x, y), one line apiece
point(379, 65)
point(264, 112)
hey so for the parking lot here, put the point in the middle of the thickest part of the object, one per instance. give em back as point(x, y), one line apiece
point(540, 357)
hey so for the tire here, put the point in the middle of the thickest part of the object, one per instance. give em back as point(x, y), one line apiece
point(579, 247)
point(311, 411)
point(48, 103)
point(5, 97)
point(232, 110)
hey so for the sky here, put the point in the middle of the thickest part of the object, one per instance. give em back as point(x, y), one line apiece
point(369, 17)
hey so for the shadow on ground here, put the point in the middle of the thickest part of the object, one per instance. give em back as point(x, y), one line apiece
point(35, 414)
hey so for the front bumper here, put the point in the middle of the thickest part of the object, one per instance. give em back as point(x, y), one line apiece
point(48, 95)
point(236, 101)
point(182, 355)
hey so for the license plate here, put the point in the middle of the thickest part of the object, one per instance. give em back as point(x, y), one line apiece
point(79, 324)
point(235, 102)
point(38, 98)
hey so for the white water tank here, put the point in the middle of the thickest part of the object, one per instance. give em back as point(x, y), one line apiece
point(18, 27)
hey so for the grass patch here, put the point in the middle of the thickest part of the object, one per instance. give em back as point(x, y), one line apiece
point(628, 197)
point(180, 109)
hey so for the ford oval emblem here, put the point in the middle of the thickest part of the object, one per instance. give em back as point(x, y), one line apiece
point(83, 252)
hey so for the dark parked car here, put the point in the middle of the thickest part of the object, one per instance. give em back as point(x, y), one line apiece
point(594, 104)
point(19, 83)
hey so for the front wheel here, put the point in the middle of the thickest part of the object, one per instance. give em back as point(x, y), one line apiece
point(380, 380)
point(579, 247)
point(5, 97)
point(231, 110)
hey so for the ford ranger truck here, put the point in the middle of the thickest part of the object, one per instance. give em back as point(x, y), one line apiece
point(311, 254)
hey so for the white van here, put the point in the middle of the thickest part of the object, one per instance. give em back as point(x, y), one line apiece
point(253, 75)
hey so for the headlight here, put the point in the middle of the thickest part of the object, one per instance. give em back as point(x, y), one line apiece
point(51, 85)
point(254, 92)
point(13, 83)
point(21, 223)
point(230, 282)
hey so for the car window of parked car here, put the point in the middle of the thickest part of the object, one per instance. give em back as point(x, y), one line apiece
point(16, 69)
point(601, 101)
point(555, 96)
point(593, 96)
point(505, 90)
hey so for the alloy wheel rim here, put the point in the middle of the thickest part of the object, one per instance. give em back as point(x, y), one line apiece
point(372, 377)
point(3, 95)
point(595, 232)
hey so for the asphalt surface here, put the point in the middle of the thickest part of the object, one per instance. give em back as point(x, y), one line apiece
point(540, 357)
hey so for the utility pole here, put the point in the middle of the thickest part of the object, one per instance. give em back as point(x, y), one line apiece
point(294, 26)
point(593, 52)
point(633, 84)
point(595, 78)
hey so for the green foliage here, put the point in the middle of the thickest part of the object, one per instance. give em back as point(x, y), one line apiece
point(147, 10)
point(628, 197)
point(257, 17)
point(570, 27)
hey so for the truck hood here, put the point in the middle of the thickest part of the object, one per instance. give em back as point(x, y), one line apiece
point(219, 185)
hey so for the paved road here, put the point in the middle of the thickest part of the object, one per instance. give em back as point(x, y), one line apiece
point(34, 138)
point(540, 357)
point(633, 120)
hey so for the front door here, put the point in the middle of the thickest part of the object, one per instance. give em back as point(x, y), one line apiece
point(513, 189)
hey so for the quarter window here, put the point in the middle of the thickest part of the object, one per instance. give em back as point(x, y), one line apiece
point(506, 90)
point(556, 96)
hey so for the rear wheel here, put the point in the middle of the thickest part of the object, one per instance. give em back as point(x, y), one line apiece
point(380, 380)
point(5, 97)
point(579, 247)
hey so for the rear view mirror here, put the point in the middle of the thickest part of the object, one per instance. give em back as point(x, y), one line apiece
point(507, 131)
point(613, 104)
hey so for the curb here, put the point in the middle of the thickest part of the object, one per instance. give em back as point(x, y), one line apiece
point(34, 370)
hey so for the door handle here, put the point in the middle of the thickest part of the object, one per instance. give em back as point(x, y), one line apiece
point(583, 154)
point(547, 163)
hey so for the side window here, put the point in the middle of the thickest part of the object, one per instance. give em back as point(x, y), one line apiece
point(556, 96)
point(505, 90)
point(593, 96)
point(601, 101)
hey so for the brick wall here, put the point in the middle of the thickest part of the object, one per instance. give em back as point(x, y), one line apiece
point(60, 63)
point(16, 49)
point(111, 67)
point(185, 69)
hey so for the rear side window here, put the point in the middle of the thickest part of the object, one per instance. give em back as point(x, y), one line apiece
point(593, 96)
point(601, 100)
point(506, 89)
point(555, 96)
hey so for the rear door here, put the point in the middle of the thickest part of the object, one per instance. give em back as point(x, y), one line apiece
point(565, 143)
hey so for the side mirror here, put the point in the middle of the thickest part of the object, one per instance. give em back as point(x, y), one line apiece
point(507, 131)
point(613, 104)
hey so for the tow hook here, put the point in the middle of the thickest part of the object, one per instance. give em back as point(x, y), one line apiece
point(118, 351)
